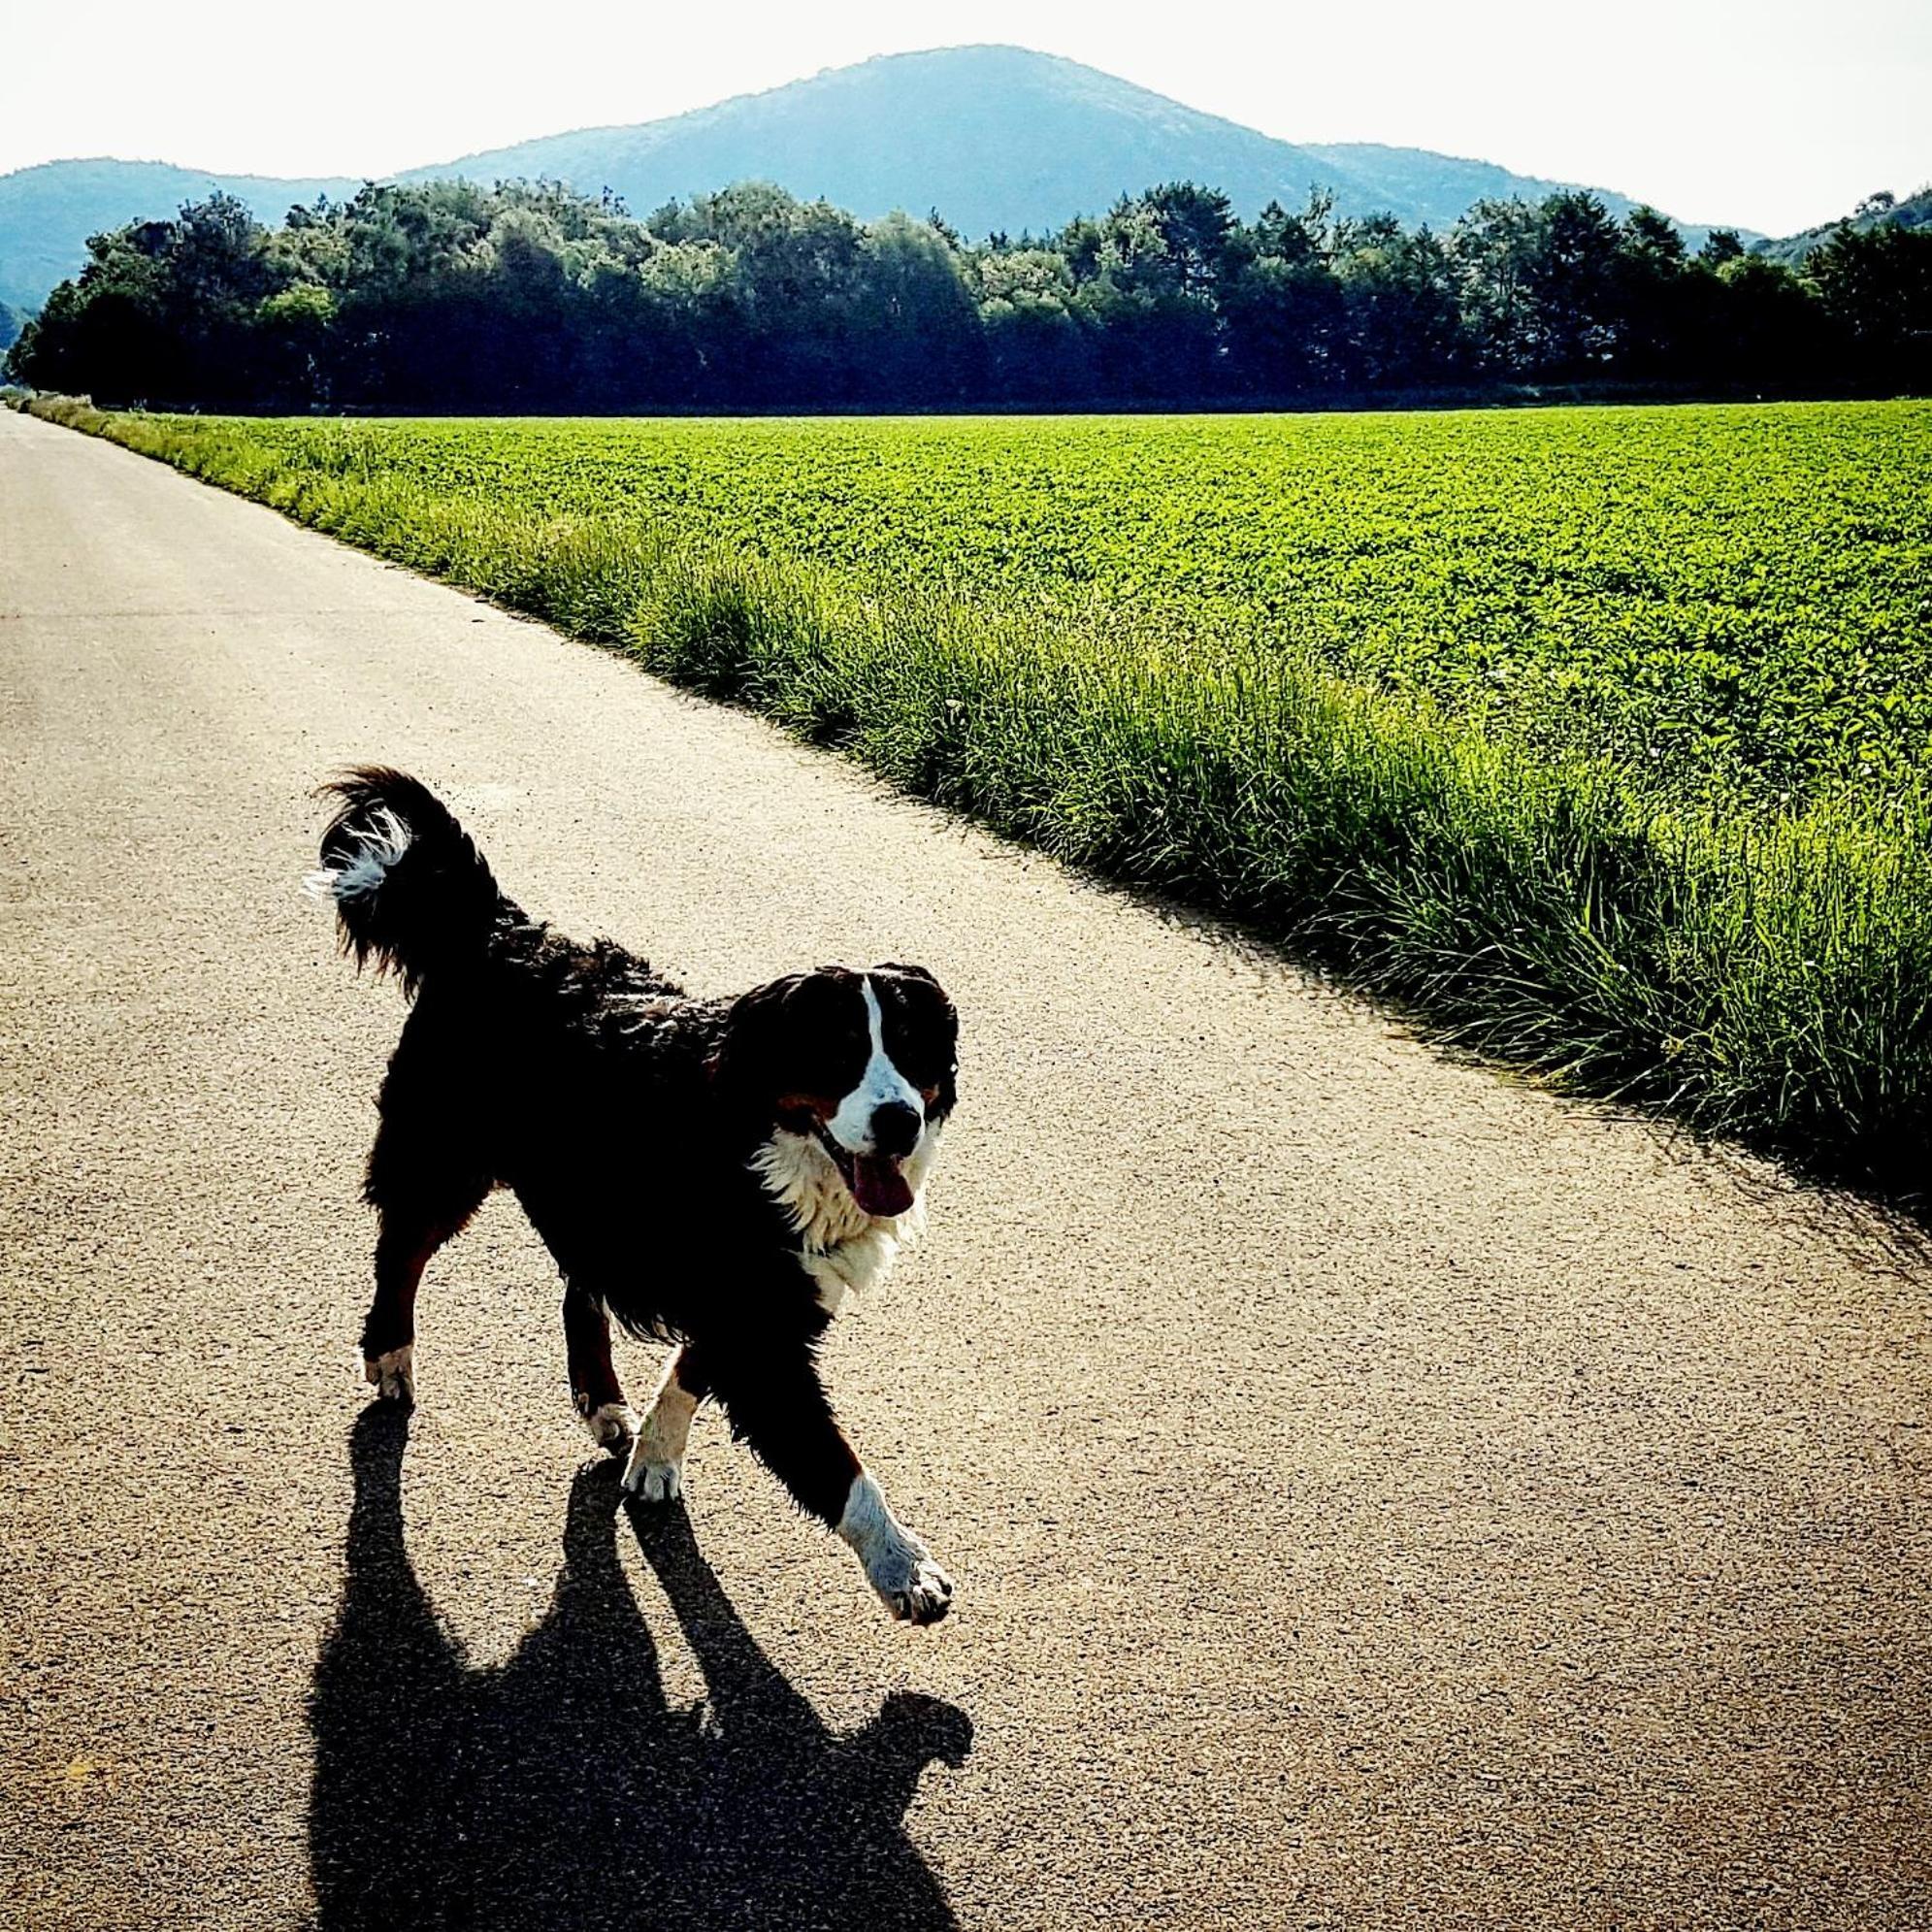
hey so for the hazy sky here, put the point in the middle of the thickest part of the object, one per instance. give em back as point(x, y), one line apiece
point(1773, 115)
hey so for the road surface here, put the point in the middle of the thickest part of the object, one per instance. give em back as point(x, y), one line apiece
point(1380, 1495)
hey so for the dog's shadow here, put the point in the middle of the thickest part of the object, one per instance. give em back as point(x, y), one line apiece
point(560, 1790)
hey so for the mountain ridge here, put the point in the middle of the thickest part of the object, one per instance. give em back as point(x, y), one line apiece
point(1912, 210)
point(996, 138)
point(47, 212)
point(1113, 153)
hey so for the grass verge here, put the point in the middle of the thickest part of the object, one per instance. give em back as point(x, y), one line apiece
point(1767, 980)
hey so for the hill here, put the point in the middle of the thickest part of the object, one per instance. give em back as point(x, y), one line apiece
point(47, 212)
point(1914, 211)
point(996, 138)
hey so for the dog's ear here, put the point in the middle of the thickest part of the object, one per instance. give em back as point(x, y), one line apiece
point(749, 1052)
point(920, 993)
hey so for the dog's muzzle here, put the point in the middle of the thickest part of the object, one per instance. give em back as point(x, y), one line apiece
point(877, 1179)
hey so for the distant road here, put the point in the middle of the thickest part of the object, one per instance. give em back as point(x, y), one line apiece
point(1380, 1495)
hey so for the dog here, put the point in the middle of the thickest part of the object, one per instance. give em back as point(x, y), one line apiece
point(718, 1174)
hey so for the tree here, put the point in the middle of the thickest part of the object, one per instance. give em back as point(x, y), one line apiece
point(1876, 285)
point(1036, 350)
point(1773, 328)
point(1655, 295)
point(916, 316)
point(449, 295)
point(1196, 226)
point(1282, 303)
point(1572, 285)
point(1402, 320)
point(294, 353)
point(1495, 249)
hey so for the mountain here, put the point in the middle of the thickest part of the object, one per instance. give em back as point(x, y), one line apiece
point(47, 212)
point(1438, 189)
point(1914, 211)
point(993, 137)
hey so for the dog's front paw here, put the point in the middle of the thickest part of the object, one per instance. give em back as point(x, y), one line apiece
point(393, 1375)
point(613, 1425)
point(651, 1476)
point(896, 1564)
point(909, 1583)
point(923, 1596)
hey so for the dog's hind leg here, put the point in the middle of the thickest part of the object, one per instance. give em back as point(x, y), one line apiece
point(656, 1468)
point(595, 1391)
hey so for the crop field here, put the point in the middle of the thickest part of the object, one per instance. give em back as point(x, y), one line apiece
point(1602, 738)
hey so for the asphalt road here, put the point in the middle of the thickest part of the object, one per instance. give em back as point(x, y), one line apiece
point(1379, 1494)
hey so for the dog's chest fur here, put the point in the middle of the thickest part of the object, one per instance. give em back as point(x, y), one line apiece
point(842, 1247)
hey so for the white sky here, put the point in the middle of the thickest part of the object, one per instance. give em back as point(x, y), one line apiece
point(1774, 116)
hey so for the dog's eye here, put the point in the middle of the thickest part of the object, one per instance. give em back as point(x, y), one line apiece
point(924, 1068)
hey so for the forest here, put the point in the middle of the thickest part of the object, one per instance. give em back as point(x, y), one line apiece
point(533, 298)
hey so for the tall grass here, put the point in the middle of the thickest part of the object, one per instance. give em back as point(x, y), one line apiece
point(1768, 980)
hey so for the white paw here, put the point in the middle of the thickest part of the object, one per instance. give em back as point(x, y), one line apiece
point(655, 1471)
point(611, 1426)
point(651, 1480)
point(910, 1584)
point(896, 1564)
point(393, 1375)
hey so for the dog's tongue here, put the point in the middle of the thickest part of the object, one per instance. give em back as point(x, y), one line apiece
point(879, 1185)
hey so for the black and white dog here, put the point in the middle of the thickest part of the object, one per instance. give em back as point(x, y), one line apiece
point(717, 1173)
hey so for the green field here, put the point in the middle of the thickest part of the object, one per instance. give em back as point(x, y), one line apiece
point(1601, 736)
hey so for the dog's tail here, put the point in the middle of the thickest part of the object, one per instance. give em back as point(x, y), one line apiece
point(411, 889)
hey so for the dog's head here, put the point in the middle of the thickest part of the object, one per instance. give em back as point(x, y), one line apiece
point(862, 1062)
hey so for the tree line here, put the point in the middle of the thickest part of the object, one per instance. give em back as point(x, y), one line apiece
point(528, 297)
